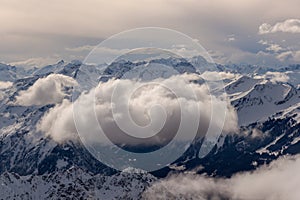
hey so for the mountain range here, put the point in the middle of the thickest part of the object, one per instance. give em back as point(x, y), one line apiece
point(34, 166)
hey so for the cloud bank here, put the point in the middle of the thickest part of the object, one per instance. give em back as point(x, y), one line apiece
point(141, 112)
point(274, 77)
point(280, 180)
point(216, 76)
point(48, 90)
point(287, 26)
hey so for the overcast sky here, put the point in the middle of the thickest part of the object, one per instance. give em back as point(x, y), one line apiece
point(35, 32)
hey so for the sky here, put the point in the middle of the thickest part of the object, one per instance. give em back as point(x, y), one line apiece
point(35, 33)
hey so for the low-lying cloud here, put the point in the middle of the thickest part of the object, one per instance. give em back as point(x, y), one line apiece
point(217, 76)
point(58, 123)
point(274, 77)
point(280, 180)
point(48, 90)
point(141, 113)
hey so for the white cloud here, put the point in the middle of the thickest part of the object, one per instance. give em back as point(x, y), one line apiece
point(231, 39)
point(144, 107)
point(283, 54)
point(280, 180)
point(288, 26)
point(263, 42)
point(274, 48)
point(275, 76)
point(5, 84)
point(264, 28)
point(59, 123)
point(48, 90)
point(215, 76)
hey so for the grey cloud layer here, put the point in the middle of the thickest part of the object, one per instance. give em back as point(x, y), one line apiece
point(28, 32)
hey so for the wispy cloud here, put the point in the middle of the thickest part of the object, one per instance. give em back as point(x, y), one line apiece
point(81, 48)
point(283, 54)
point(289, 56)
point(36, 62)
point(275, 76)
point(272, 47)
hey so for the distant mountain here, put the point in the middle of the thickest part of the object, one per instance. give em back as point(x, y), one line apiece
point(75, 183)
point(250, 95)
point(40, 168)
point(11, 73)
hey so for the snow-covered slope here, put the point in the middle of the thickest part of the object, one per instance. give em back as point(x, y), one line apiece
point(263, 100)
point(241, 85)
point(74, 183)
point(11, 73)
point(33, 166)
point(148, 70)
